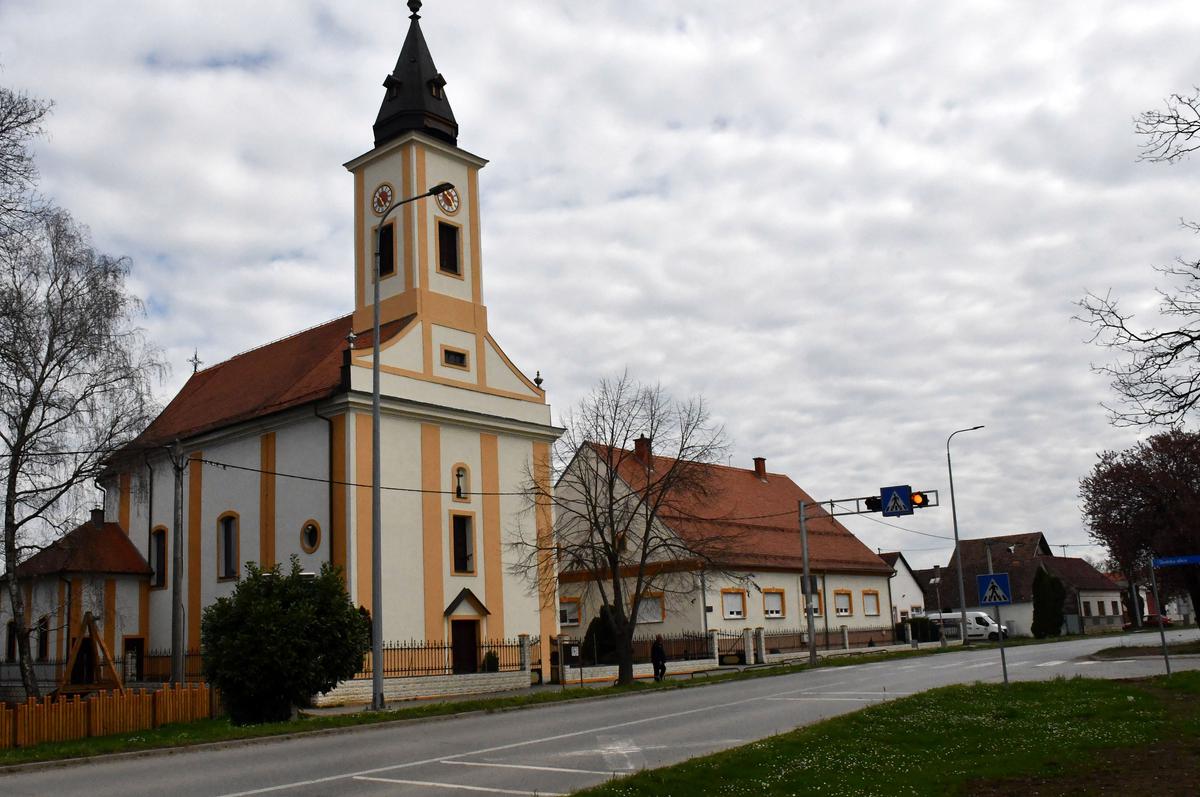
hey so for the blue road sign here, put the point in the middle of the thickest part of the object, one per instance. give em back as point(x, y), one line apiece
point(993, 589)
point(1177, 561)
point(896, 500)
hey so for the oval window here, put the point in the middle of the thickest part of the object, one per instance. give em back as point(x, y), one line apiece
point(310, 536)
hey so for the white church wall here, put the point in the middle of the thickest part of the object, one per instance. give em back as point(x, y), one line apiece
point(302, 449)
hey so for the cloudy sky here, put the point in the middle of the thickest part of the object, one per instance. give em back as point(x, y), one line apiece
point(852, 227)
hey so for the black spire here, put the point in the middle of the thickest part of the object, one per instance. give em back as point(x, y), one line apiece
point(416, 95)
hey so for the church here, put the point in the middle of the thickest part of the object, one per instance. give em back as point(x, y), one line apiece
point(276, 443)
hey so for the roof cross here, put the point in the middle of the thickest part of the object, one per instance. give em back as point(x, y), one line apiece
point(195, 360)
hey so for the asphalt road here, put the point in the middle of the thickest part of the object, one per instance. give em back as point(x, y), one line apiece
point(557, 748)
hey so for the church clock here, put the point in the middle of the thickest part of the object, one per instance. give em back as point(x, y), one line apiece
point(448, 201)
point(381, 200)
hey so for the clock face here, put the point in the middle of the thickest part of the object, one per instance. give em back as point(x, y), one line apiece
point(448, 201)
point(381, 200)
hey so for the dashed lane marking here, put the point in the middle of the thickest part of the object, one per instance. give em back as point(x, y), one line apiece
point(434, 784)
point(1052, 663)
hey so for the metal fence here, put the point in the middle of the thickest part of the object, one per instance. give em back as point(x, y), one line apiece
point(418, 657)
point(156, 667)
point(785, 641)
point(678, 647)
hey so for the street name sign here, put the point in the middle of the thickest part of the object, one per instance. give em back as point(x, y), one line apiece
point(993, 589)
point(1177, 561)
point(896, 501)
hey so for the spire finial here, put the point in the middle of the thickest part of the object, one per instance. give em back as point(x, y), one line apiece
point(414, 6)
point(537, 380)
point(195, 360)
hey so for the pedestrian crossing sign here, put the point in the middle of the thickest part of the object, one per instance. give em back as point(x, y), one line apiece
point(993, 589)
point(896, 501)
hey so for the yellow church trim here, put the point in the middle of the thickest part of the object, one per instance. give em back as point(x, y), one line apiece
point(476, 245)
point(360, 276)
point(431, 530)
point(546, 565)
point(338, 547)
point(493, 566)
point(266, 500)
point(362, 502)
point(406, 183)
point(195, 536)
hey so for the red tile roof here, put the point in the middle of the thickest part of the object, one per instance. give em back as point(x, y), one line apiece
point(755, 522)
point(89, 548)
point(1077, 573)
point(287, 373)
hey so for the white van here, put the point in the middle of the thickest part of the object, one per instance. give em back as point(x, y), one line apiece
point(980, 625)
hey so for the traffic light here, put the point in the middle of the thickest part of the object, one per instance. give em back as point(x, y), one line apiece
point(874, 504)
point(920, 500)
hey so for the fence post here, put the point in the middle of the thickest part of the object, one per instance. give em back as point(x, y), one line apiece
point(760, 645)
point(714, 646)
point(524, 641)
point(845, 638)
point(748, 644)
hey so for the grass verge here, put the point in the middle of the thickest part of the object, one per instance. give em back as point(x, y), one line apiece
point(952, 740)
point(1148, 648)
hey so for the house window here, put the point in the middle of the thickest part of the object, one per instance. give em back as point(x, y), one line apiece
point(448, 242)
point(842, 604)
point(568, 611)
point(10, 645)
point(1100, 608)
point(917, 611)
point(463, 544)
point(387, 250)
point(818, 604)
point(462, 483)
point(1116, 607)
point(733, 604)
point(651, 609)
point(455, 358)
point(158, 557)
point(772, 603)
point(43, 639)
point(870, 603)
point(1087, 608)
point(310, 536)
point(227, 546)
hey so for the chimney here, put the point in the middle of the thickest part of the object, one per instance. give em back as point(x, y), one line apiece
point(641, 449)
point(98, 517)
point(760, 467)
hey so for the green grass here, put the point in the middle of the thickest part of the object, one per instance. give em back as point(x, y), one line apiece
point(936, 742)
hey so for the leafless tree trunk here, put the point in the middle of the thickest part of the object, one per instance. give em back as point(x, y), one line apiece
point(611, 499)
point(75, 376)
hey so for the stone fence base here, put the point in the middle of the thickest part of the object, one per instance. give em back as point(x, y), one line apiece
point(358, 691)
point(603, 673)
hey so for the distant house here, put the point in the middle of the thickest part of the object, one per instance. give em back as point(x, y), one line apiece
point(1092, 602)
point(747, 518)
point(906, 592)
point(94, 569)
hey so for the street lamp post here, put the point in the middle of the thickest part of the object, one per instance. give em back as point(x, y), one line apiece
point(376, 524)
point(962, 592)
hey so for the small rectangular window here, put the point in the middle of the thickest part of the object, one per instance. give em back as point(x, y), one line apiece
point(773, 604)
point(464, 545)
point(1100, 608)
point(387, 250)
point(1116, 607)
point(842, 606)
point(1087, 608)
point(650, 609)
point(871, 603)
point(454, 358)
point(733, 605)
point(43, 640)
point(448, 249)
point(568, 611)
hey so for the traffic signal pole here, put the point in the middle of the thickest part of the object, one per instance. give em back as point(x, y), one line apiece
point(807, 591)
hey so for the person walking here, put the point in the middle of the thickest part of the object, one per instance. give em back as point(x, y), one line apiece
point(658, 657)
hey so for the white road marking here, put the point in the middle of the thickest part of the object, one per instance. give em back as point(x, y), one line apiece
point(621, 753)
point(947, 666)
point(528, 766)
point(1086, 663)
point(910, 667)
point(512, 745)
point(1052, 663)
point(1120, 661)
point(981, 664)
point(459, 786)
point(821, 698)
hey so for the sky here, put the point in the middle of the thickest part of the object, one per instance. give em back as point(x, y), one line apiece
point(853, 228)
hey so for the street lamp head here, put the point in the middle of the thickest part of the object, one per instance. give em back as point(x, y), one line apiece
point(973, 428)
point(440, 188)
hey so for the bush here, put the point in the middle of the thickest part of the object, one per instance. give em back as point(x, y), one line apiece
point(600, 641)
point(924, 630)
point(491, 662)
point(278, 640)
point(1048, 596)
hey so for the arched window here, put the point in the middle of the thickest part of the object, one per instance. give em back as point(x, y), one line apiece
point(227, 546)
point(158, 557)
point(460, 477)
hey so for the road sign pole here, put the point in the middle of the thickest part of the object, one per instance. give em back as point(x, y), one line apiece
point(1162, 633)
point(999, 622)
point(807, 591)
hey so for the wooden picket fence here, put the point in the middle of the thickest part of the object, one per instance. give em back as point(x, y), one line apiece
point(60, 719)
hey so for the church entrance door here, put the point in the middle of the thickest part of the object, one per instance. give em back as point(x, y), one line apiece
point(464, 646)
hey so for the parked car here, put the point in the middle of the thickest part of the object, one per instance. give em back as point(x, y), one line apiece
point(1151, 621)
point(980, 625)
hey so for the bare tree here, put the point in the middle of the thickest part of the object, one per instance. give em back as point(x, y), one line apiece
point(615, 502)
point(75, 382)
point(21, 119)
point(1157, 377)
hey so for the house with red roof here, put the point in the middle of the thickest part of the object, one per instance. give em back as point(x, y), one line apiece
point(273, 447)
point(905, 590)
point(731, 557)
point(94, 569)
point(1093, 602)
